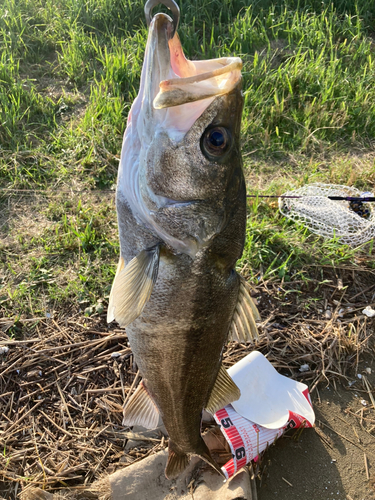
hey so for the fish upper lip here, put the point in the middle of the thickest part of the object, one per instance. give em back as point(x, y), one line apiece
point(176, 80)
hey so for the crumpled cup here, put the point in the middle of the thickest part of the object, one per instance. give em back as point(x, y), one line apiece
point(269, 405)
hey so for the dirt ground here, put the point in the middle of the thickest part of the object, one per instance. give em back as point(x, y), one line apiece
point(65, 379)
point(327, 462)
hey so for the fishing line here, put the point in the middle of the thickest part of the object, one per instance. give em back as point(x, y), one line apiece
point(332, 211)
point(336, 198)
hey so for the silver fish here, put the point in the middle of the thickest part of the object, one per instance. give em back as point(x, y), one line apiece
point(181, 206)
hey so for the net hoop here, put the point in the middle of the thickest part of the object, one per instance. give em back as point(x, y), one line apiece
point(330, 218)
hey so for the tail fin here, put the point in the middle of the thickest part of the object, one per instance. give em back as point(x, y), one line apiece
point(178, 461)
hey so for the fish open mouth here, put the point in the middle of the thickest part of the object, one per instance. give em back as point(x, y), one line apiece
point(196, 80)
point(174, 93)
point(175, 80)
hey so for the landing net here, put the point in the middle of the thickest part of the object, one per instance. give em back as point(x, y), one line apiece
point(352, 223)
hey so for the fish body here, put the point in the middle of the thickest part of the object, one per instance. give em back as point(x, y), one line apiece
point(181, 205)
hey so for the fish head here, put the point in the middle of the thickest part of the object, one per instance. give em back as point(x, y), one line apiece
point(180, 168)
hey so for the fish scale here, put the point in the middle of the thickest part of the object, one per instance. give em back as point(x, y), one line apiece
point(181, 208)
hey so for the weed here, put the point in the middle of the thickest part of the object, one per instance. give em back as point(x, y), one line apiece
point(68, 75)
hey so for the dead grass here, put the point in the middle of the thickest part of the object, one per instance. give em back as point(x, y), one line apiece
point(321, 347)
point(62, 396)
point(64, 385)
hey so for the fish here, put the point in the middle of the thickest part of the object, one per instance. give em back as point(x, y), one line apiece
point(181, 210)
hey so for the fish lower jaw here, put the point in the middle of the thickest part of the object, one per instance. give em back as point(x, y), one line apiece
point(178, 204)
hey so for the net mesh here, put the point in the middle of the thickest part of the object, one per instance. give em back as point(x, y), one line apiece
point(346, 221)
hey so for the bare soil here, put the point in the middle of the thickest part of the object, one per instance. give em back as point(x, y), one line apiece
point(327, 462)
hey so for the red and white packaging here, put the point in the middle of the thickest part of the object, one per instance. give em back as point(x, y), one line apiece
point(269, 405)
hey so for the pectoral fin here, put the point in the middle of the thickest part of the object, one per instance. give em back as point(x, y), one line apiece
point(243, 327)
point(223, 393)
point(141, 410)
point(132, 286)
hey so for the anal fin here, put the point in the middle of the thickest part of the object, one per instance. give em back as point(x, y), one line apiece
point(223, 393)
point(243, 327)
point(141, 410)
point(132, 286)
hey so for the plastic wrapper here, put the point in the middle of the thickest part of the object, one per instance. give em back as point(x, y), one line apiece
point(269, 405)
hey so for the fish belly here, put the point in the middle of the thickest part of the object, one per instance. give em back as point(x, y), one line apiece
point(179, 338)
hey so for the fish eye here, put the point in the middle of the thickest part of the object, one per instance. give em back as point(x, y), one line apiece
point(215, 142)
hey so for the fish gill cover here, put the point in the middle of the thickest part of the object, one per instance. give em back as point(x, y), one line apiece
point(181, 206)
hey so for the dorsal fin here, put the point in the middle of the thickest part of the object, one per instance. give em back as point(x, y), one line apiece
point(141, 410)
point(132, 286)
point(243, 327)
point(223, 393)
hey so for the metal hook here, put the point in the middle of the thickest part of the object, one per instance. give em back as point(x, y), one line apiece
point(170, 4)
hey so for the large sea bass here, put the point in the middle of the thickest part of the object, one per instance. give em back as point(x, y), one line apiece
point(181, 205)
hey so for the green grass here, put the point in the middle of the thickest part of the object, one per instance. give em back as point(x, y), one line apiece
point(69, 71)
